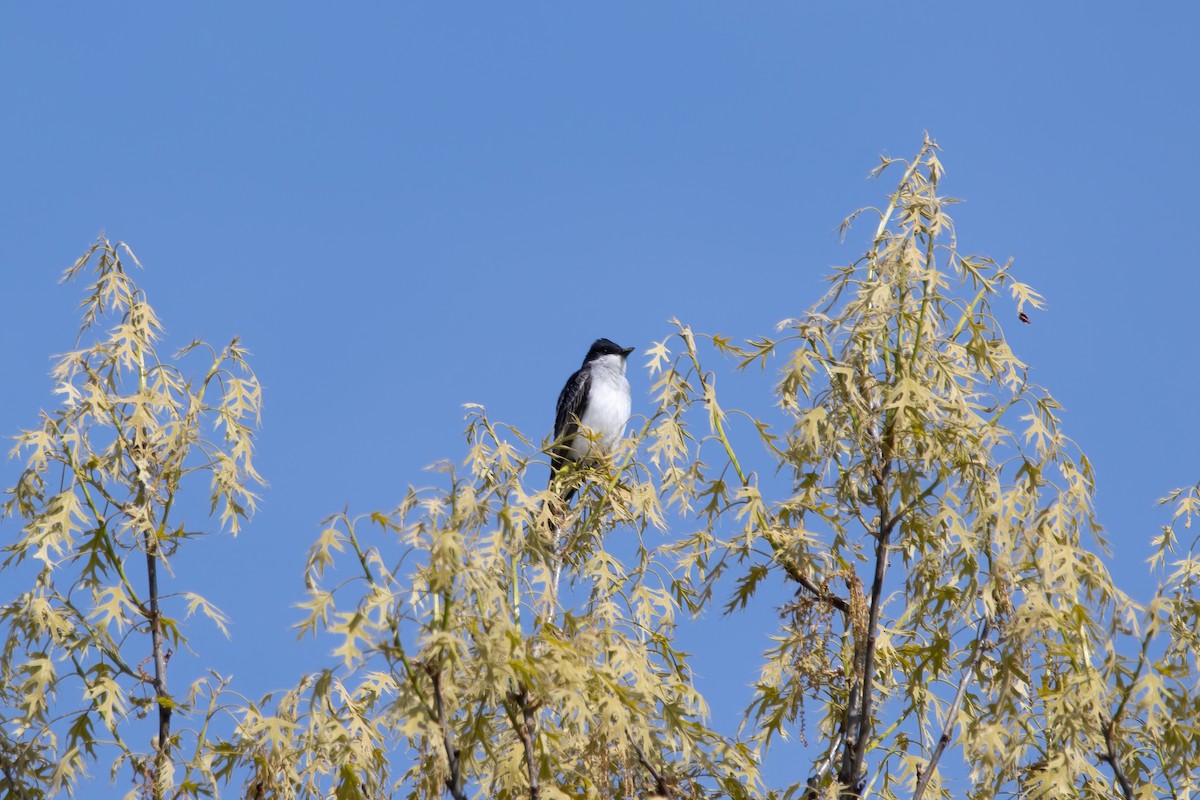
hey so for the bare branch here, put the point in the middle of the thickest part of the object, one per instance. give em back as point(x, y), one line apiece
point(807, 583)
point(661, 787)
point(162, 747)
point(1111, 758)
point(524, 726)
point(454, 779)
point(952, 712)
point(859, 734)
point(813, 790)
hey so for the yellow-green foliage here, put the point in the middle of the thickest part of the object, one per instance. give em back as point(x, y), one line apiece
point(930, 521)
point(86, 644)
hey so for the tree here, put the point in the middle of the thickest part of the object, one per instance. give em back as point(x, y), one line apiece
point(914, 436)
point(100, 524)
point(950, 625)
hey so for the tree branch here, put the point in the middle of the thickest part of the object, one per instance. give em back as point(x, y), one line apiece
point(661, 787)
point(952, 712)
point(524, 726)
point(813, 789)
point(858, 721)
point(453, 780)
point(858, 734)
point(807, 583)
point(10, 779)
point(1110, 757)
point(716, 417)
point(159, 654)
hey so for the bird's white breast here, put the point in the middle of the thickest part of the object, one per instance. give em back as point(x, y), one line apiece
point(608, 406)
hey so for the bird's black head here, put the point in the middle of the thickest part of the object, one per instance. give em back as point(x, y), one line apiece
point(606, 347)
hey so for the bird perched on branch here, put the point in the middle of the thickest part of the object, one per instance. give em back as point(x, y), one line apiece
point(597, 398)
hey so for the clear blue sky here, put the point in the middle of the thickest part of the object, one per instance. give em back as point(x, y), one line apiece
point(405, 207)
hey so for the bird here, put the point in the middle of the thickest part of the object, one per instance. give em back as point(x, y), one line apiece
point(596, 397)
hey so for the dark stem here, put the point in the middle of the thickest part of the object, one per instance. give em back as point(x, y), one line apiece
point(857, 747)
point(858, 711)
point(807, 583)
point(1110, 757)
point(10, 779)
point(944, 739)
point(524, 725)
point(454, 778)
point(159, 682)
point(661, 787)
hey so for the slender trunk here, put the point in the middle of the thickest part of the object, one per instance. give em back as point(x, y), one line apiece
point(159, 652)
point(859, 708)
point(454, 779)
point(162, 754)
point(525, 725)
point(859, 711)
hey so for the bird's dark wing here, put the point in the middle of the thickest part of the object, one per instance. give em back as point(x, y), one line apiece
point(567, 414)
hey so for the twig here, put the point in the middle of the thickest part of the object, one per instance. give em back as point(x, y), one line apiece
point(524, 727)
point(858, 728)
point(944, 740)
point(886, 217)
point(716, 417)
point(1110, 757)
point(454, 780)
point(807, 583)
point(857, 747)
point(11, 780)
point(661, 787)
point(812, 792)
point(159, 681)
point(1110, 724)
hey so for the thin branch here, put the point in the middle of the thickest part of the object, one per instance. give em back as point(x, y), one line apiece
point(1143, 657)
point(807, 583)
point(524, 726)
point(716, 417)
point(813, 790)
point(858, 728)
point(952, 713)
point(661, 787)
point(908, 508)
point(886, 217)
point(454, 779)
point(162, 747)
point(1110, 757)
point(13, 788)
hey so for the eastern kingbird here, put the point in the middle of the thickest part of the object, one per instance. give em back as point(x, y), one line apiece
point(597, 398)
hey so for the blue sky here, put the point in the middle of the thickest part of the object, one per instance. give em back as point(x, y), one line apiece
point(405, 207)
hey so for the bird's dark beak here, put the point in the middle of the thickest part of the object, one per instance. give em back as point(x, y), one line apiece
point(627, 351)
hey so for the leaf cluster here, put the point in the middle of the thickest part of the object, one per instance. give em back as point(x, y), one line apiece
point(906, 501)
point(461, 652)
point(97, 505)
